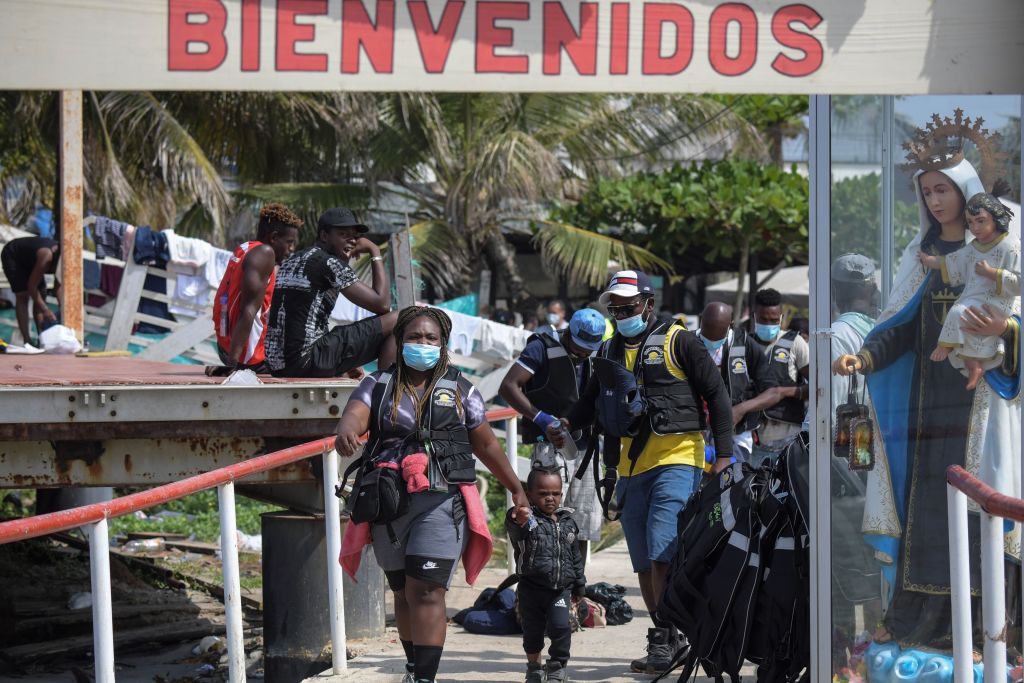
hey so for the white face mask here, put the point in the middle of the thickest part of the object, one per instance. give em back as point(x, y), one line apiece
point(554, 318)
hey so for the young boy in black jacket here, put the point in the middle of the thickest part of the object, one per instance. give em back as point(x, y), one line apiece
point(550, 570)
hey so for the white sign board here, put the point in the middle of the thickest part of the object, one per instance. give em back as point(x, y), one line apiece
point(819, 46)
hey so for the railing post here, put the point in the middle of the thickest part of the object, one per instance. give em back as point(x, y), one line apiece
point(232, 589)
point(993, 596)
point(102, 614)
point(960, 578)
point(512, 452)
point(335, 588)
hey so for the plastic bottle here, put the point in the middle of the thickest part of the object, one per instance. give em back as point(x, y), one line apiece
point(568, 448)
point(531, 523)
point(143, 545)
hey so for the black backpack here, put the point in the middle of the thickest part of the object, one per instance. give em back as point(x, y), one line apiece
point(737, 587)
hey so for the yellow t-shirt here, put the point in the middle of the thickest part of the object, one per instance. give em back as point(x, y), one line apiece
point(670, 449)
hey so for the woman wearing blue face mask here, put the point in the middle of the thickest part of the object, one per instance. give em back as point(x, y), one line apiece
point(422, 395)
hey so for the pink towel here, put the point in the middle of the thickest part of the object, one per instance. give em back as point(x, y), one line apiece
point(474, 557)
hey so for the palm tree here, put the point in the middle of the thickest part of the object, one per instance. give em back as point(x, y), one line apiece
point(475, 164)
point(139, 159)
point(168, 159)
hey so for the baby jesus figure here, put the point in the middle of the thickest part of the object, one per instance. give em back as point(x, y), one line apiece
point(989, 269)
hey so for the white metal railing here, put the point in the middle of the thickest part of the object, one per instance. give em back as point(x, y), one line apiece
point(94, 518)
point(995, 507)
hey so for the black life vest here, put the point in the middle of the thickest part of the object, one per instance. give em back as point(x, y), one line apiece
point(559, 392)
point(442, 432)
point(791, 410)
point(672, 407)
point(736, 374)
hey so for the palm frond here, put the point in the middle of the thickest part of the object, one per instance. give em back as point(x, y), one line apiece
point(177, 163)
point(583, 256)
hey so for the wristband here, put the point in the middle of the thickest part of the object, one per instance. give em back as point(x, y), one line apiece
point(543, 420)
point(376, 258)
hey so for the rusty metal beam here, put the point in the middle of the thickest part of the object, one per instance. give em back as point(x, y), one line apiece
point(72, 307)
point(298, 430)
point(135, 462)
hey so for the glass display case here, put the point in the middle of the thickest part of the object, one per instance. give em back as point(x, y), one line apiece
point(908, 244)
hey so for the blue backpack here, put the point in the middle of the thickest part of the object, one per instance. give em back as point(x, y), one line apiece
point(620, 401)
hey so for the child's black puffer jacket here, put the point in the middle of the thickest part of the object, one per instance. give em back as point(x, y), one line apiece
point(548, 555)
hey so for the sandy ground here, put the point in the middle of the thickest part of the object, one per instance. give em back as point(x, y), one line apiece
point(601, 654)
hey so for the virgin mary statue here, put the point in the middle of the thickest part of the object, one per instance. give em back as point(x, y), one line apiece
point(926, 419)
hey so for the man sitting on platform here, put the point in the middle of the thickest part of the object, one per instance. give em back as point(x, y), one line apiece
point(308, 283)
point(243, 299)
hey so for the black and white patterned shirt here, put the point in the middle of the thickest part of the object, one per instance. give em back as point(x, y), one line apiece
point(307, 287)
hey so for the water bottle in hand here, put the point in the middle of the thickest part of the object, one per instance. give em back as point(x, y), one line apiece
point(568, 448)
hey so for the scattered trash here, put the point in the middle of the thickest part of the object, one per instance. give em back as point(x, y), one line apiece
point(242, 378)
point(171, 514)
point(59, 339)
point(80, 601)
point(139, 514)
point(245, 543)
point(206, 670)
point(208, 644)
point(143, 545)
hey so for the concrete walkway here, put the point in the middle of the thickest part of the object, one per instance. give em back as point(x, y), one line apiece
point(600, 654)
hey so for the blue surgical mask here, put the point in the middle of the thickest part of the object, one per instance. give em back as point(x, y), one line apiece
point(632, 326)
point(766, 332)
point(421, 356)
point(712, 345)
point(554, 318)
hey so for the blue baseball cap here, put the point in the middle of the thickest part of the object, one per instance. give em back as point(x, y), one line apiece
point(587, 328)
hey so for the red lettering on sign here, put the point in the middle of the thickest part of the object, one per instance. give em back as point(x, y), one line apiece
point(559, 32)
point(783, 31)
point(656, 16)
point(435, 44)
point(181, 34)
point(618, 61)
point(489, 37)
point(250, 35)
point(289, 33)
point(377, 40)
point(721, 18)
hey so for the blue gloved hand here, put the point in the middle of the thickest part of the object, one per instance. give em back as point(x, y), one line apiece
point(543, 420)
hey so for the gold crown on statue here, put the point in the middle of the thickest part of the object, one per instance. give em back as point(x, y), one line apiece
point(940, 145)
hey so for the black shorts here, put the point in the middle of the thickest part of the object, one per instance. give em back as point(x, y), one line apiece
point(16, 275)
point(342, 349)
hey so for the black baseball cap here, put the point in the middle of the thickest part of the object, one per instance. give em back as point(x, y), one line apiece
point(339, 217)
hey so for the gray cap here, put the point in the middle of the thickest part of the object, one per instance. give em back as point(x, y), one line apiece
point(853, 268)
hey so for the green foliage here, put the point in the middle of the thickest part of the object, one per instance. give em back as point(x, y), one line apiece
point(205, 522)
point(718, 207)
point(857, 218)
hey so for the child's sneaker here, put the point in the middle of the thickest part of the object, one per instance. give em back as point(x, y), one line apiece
point(555, 672)
point(534, 673)
point(410, 675)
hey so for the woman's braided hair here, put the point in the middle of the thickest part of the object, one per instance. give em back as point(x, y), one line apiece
point(403, 384)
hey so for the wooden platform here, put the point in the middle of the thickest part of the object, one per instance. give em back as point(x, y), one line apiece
point(45, 370)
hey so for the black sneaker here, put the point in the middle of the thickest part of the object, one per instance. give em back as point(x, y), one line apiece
point(660, 650)
point(555, 672)
point(534, 673)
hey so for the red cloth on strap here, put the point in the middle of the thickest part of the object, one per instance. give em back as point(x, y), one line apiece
point(477, 552)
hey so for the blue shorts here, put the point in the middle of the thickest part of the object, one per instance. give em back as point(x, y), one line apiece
point(653, 503)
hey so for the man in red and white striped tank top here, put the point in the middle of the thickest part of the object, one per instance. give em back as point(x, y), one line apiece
point(243, 298)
